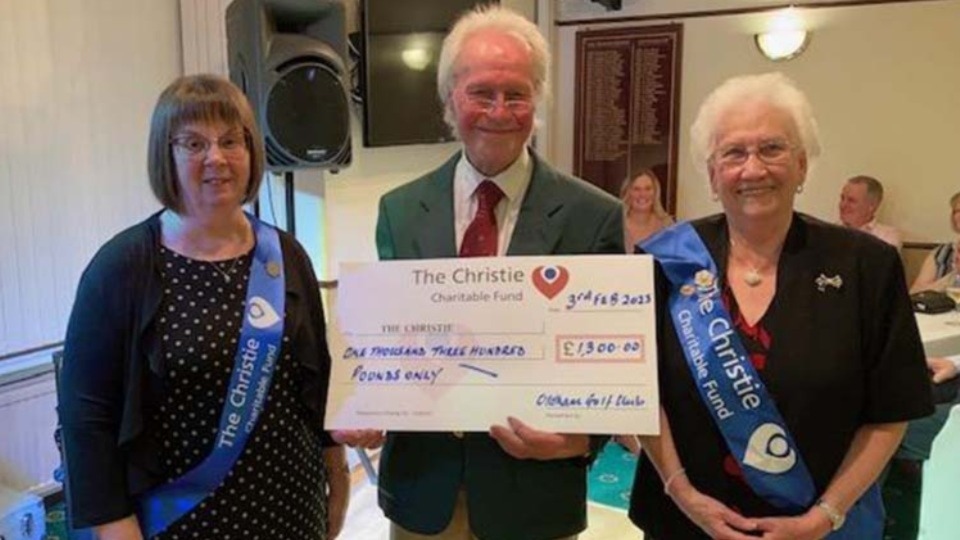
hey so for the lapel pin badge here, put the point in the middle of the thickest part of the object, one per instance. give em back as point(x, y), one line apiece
point(823, 282)
point(273, 269)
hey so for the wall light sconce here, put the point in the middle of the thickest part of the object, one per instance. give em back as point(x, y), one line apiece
point(786, 37)
point(416, 58)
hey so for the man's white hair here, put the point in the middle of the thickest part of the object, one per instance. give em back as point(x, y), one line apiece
point(490, 17)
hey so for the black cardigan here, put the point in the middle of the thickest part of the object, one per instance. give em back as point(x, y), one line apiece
point(112, 377)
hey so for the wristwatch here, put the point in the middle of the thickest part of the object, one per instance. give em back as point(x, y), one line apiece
point(836, 518)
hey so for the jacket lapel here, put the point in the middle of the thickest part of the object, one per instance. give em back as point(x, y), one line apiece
point(540, 223)
point(435, 236)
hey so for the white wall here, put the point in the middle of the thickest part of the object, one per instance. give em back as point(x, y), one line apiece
point(77, 85)
point(883, 80)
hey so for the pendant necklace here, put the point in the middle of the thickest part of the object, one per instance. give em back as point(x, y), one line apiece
point(751, 277)
point(226, 274)
point(180, 237)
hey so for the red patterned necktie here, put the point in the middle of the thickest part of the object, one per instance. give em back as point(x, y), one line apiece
point(480, 239)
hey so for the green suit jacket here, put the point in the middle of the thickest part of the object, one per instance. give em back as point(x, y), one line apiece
point(421, 473)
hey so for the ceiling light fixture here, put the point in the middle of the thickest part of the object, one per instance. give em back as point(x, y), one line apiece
point(786, 37)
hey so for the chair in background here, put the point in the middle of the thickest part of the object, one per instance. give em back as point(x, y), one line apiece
point(940, 494)
point(912, 255)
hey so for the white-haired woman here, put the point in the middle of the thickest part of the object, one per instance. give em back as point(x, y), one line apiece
point(790, 360)
point(643, 212)
point(940, 267)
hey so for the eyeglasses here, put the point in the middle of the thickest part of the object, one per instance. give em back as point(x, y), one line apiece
point(195, 146)
point(770, 152)
point(487, 101)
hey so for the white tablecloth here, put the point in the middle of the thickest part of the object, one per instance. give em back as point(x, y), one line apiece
point(939, 338)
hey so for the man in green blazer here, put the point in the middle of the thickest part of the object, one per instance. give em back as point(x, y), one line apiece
point(515, 482)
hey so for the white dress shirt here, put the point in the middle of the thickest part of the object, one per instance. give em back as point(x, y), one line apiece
point(887, 233)
point(513, 182)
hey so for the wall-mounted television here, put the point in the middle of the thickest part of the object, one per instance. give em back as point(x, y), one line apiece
point(401, 49)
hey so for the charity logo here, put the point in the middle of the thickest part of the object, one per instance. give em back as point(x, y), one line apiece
point(550, 280)
point(769, 450)
point(261, 314)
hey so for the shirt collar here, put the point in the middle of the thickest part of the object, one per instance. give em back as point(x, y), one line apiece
point(512, 181)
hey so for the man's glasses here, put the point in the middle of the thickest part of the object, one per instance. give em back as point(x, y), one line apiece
point(770, 152)
point(487, 101)
point(195, 146)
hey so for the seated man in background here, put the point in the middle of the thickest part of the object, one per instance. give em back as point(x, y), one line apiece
point(859, 202)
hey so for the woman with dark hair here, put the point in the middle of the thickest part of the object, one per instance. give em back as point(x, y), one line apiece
point(196, 365)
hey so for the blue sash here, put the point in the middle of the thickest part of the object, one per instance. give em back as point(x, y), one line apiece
point(254, 363)
point(732, 390)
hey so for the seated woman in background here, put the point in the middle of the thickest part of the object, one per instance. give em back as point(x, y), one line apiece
point(939, 267)
point(643, 213)
point(195, 363)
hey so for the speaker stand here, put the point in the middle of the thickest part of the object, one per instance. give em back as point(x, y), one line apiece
point(289, 193)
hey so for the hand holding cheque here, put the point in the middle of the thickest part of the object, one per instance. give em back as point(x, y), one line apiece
point(563, 343)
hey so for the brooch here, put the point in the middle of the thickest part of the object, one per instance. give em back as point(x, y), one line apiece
point(823, 282)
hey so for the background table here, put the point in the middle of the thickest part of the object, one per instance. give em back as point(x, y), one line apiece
point(939, 338)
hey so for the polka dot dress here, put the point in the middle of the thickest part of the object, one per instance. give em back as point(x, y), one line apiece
point(275, 489)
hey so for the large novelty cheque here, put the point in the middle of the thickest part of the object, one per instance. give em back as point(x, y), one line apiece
point(566, 344)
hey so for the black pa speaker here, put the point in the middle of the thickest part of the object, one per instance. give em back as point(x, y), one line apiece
point(289, 57)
